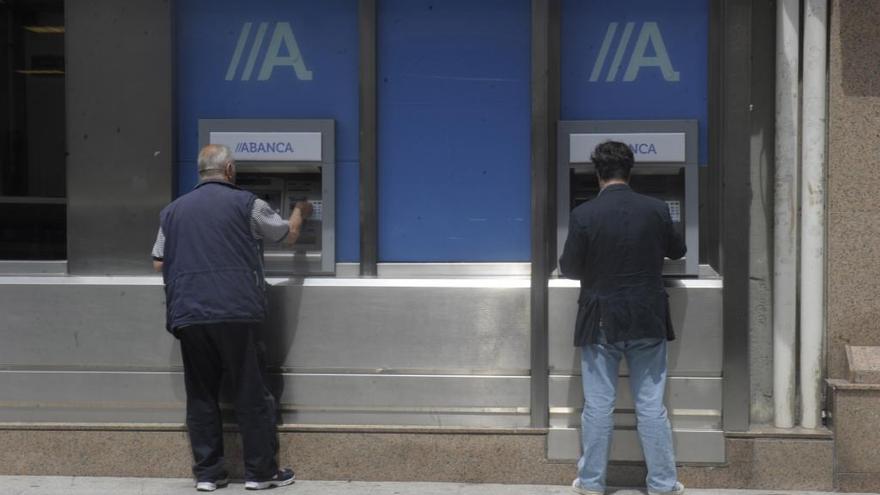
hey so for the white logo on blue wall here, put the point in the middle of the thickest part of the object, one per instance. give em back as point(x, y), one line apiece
point(282, 34)
point(263, 147)
point(649, 34)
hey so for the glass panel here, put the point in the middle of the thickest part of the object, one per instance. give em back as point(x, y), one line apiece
point(32, 131)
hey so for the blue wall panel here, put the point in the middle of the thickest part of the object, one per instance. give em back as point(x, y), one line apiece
point(322, 83)
point(454, 175)
point(608, 74)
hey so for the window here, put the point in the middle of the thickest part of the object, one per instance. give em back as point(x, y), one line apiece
point(32, 131)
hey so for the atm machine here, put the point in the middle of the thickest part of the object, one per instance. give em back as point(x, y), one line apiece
point(665, 153)
point(283, 161)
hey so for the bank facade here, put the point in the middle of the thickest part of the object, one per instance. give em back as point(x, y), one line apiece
point(421, 332)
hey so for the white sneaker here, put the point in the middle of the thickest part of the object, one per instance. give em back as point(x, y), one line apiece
point(576, 486)
point(678, 489)
point(283, 477)
point(210, 486)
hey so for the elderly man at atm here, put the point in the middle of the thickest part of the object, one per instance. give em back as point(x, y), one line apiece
point(616, 246)
point(209, 251)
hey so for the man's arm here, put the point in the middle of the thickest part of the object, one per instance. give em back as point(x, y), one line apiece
point(267, 224)
point(301, 211)
point(573, 260)
point(159, 251)
point(675, 247)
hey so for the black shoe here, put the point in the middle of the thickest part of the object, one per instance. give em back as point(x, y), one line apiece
point(283, 477)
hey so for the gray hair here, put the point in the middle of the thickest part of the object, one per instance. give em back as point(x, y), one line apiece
point(213, 159)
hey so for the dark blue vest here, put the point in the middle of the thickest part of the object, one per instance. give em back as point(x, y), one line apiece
point(212, 265)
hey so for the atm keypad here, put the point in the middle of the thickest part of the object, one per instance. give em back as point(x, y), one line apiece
point(674, 210)
point(317, 210)
point(317, 207)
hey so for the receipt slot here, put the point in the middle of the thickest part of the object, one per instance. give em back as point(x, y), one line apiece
point(665, 155)
point(282, 162)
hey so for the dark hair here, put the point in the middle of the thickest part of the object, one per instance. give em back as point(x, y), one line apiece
point(613, 160)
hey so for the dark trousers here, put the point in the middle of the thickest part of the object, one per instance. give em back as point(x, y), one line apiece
point(227, 351)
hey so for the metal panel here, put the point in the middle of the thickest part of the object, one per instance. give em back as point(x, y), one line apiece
point(397, 326)
point(735, 149)
point(296, 390)
point(369, 213)
point(87, 327)
point(427, 328)
point(29, 267)
point(693, 403)
point(710, 176)
point(541, 123)
point(464, 324)
point(682, 393)
point(691, 419)
point(120, 132)
point(693, 447)
point(433, 352)
point(496, 401)
point(696, 315)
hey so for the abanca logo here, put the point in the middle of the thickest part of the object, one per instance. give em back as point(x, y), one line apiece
point(263, 147)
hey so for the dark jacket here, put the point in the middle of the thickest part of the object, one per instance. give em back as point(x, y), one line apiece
point(616, 246)
point(212, 265)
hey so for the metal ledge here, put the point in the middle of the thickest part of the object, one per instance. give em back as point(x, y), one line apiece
point(474, 283)
point(403, 275)
point(798, 433)
point(33, 267)
point(283, 428)
point(685, 283)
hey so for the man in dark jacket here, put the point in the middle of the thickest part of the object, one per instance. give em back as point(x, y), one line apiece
point(616, 246)
point(209, 251)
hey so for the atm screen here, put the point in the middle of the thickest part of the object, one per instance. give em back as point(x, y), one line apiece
point(658, 183)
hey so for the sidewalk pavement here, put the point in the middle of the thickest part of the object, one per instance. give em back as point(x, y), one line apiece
point(77, 485)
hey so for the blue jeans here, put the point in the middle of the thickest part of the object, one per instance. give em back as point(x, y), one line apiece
point(646, 359)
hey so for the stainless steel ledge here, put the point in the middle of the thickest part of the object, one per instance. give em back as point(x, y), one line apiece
point(34, 267)
point(684, 283)
point(80, 280)
point(155, 280)
point(473, 283)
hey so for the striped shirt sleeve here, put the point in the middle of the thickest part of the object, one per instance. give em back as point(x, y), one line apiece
point(159, 246)
point(266, 223)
